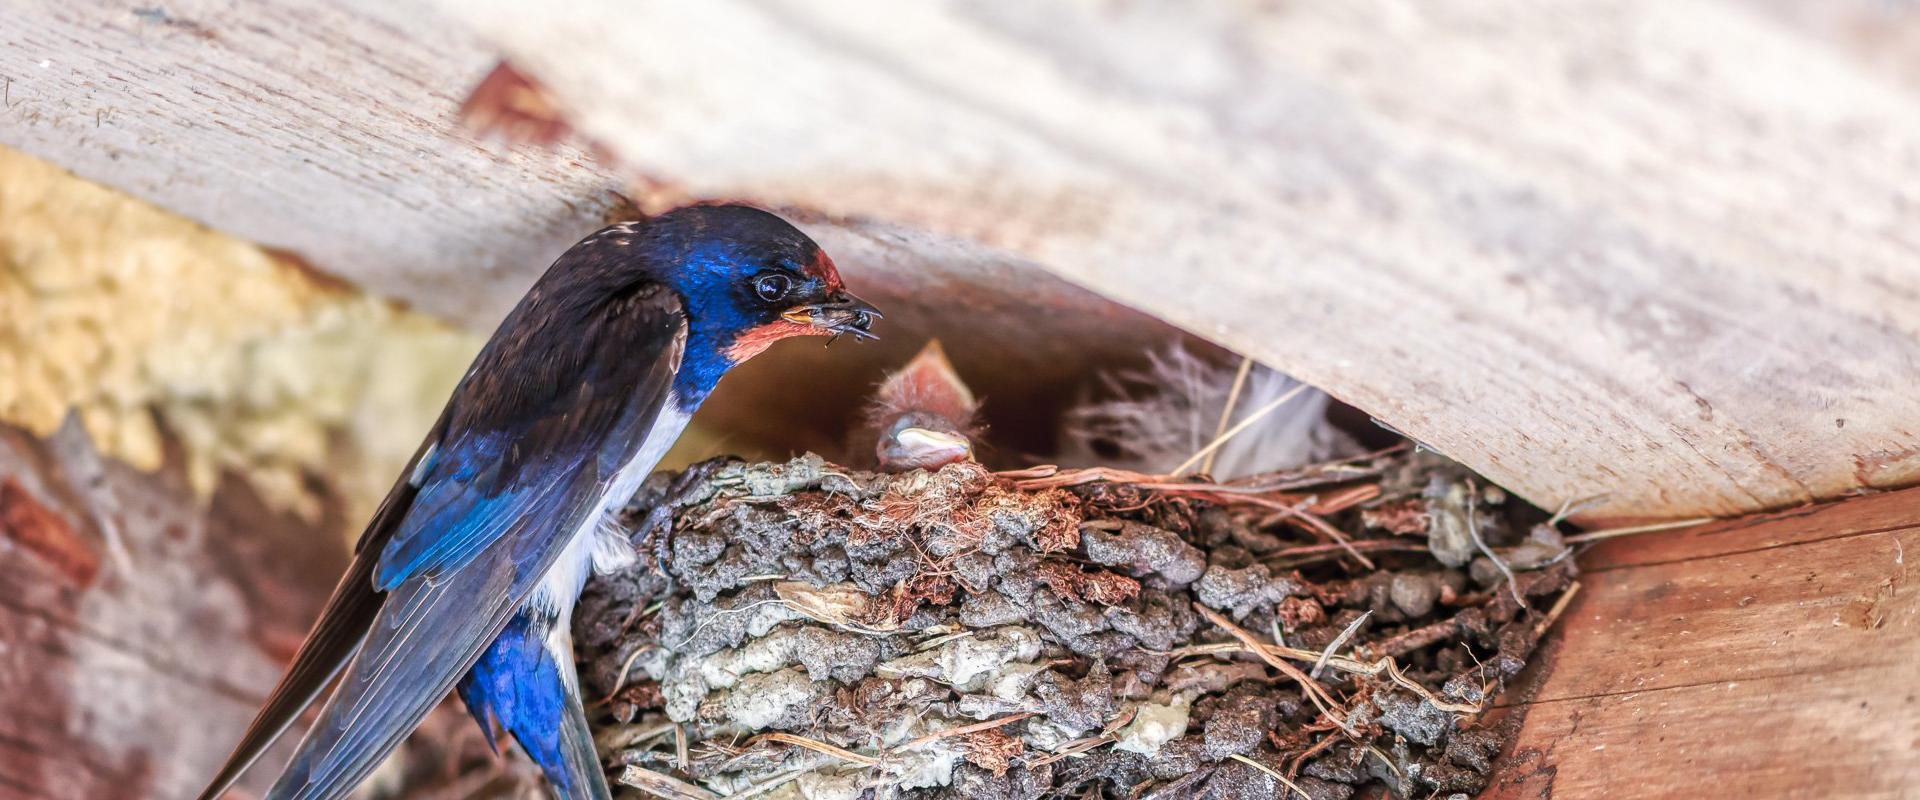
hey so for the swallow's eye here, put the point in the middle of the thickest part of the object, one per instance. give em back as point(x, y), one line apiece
point(772, 286)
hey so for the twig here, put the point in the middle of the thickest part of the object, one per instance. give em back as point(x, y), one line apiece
point(1180, 788)
point(1559, 607)
point(1315, 692)
point(770, 784)
point(1403, 643)
point(627, 736)
point(1242, 425)
point(1473, 532)
point(1314, 522)
point(1073, 748)
point(1381, 666)
point(1609, 533)
point(1310, 475)
point(717, 613)
point(816, 746)
point(1307, 754)
point(1345, 499)
point(1338, 642)
point(621, 682)
point(1119, 721)
point(1383, 756)
point(1076, 477)
point(1270, 771)
point(963, 730)
point(1571, 506)
point(1048, 476)
point(1226, 411)
point(1029, 473)
point(1389, 545)
point(664, 785)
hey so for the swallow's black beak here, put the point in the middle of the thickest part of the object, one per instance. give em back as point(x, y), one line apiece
point(842, 313)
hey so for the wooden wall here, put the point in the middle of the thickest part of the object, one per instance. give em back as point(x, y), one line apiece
point(1772, 656)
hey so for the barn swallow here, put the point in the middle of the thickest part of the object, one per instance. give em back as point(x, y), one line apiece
point(923, 415)
point(469, 571)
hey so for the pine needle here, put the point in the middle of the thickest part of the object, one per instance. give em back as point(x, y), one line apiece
point(816, 746)
point(621, 683)
point(1314, 691)
point(1559, 607)
point(1337, 643)
point(964, 730)
point(1473, 532)
point(1226, 411)
point(1270, 771)
point(1594, 536)
point(1242, 425)
point(663, 785)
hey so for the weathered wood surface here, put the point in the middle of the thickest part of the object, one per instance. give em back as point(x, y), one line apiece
point(1767, 657)
point(329, 130)
point(134, 682)
point(1658, 250)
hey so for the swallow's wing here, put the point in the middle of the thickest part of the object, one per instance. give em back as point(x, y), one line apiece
point(344, 622)
point(520, 461)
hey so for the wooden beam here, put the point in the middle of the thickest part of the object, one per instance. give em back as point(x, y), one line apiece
point(1570, 248)
point(1770, 657)
point(326, 129)
point(1648, 250)
point(330, 130)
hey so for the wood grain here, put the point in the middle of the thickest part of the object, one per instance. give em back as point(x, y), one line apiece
point(1770, 659)
point(321, 128)
point(1660, 251)
point(1647, 249)
point(329, 130)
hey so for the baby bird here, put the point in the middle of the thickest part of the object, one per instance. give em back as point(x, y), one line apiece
point(923, 415)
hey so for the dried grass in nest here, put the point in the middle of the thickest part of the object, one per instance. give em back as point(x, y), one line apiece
point(1348, 521)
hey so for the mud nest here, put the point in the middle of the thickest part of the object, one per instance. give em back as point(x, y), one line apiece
point(808, 631)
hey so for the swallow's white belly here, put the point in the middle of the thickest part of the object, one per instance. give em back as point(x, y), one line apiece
point(598, 545)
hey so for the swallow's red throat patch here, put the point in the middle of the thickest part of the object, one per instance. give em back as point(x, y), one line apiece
point(755, 340)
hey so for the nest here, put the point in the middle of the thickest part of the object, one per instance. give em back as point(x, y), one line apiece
point(808, 631)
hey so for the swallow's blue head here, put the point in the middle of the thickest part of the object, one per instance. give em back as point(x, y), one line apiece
point(747, 279)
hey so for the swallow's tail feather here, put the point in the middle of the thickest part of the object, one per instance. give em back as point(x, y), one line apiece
point(328, 648)
point(425, 637)
point(526, 683)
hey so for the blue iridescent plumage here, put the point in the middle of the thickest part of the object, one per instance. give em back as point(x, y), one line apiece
point(469, 570)
point(520, 685)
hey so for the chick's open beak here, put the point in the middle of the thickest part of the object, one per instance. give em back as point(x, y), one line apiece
point(944, 446)
point(842, 313)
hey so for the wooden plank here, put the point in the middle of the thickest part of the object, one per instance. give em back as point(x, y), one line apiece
point(1648, 249)
point(132, 679)
point(322, 128)
point(1821, 736)
point(1861, 515)
point(1524, 256)
point(329, 130)
point(1782, 667)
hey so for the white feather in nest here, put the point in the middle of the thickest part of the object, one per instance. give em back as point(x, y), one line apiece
point(1163, 413)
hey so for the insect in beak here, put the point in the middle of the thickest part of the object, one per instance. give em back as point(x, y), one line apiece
point(841, 314)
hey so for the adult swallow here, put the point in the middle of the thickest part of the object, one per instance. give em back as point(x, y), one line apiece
point(469, 571)
point(923, 414)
